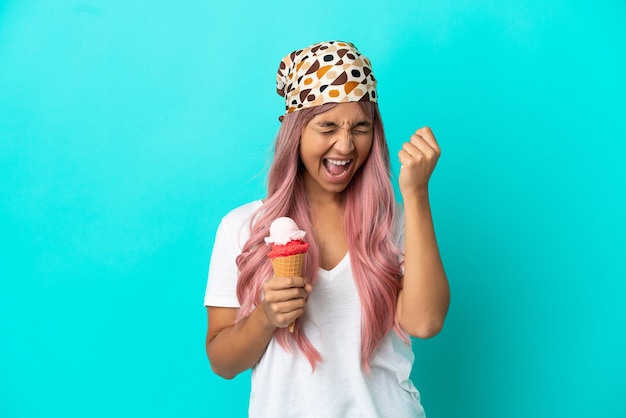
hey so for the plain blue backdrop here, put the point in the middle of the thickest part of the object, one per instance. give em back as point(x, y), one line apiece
point(129, 128)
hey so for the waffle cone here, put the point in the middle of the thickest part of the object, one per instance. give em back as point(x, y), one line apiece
point(288, 266)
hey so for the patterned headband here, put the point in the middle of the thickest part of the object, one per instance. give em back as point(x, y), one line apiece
point(327, 72)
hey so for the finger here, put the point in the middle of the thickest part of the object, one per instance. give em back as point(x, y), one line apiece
point(293, 305)
point(424, 146)
point(417, 151)
point(275, 296)
point(413, 159)
point(411, 148)
point(421, 141)
point(284, 319)
point(429, 137)
point(405, 158)
point(287, 306)
point(285, 313)
point(276, 283)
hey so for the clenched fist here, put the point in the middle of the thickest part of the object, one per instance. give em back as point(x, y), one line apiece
point(418, 158)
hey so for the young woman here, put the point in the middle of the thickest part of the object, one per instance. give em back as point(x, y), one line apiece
point(372, 277)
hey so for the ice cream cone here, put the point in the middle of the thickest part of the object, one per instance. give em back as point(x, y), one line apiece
point(288, 266)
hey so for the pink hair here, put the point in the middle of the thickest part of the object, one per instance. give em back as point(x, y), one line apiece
point(369, 217)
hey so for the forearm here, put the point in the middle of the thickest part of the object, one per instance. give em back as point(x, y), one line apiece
point(425, 296)
point(240, 346)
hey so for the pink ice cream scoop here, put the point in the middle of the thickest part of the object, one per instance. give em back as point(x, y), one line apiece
point(286, 238)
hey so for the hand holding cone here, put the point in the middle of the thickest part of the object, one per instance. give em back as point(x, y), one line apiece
point(288, 249)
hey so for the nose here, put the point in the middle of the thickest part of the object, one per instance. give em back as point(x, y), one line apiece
point(344, 143)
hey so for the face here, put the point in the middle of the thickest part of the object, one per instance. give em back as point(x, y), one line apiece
point(333, 146)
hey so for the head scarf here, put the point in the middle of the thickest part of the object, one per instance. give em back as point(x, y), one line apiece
point(326, 72)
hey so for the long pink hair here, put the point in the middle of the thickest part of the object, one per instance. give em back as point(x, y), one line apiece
point(368, 218)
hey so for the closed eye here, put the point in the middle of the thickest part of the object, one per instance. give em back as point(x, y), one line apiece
point(359, 128)
point(363, 127)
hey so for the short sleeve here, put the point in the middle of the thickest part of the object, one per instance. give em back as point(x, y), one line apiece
point(398, 233)
point(221, 287)
point(398, 227)
point(232, 233)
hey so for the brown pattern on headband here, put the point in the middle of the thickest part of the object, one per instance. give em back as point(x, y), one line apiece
point(326, 72)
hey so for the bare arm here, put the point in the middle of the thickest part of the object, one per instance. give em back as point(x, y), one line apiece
point(425, 295)
point(235, 347)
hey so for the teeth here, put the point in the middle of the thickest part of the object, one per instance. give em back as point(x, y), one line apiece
point(337, 162)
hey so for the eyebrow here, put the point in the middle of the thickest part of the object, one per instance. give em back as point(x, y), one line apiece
point(329, 124)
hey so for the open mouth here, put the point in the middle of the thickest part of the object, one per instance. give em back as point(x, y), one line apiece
point(336, 168)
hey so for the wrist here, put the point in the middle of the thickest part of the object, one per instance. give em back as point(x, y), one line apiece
point(417, 196)
point(262, 319)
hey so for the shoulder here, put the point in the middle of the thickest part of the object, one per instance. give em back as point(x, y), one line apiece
point(235, 225)
point(242, 213)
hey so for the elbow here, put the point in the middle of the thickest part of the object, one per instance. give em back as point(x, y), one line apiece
point(220, 370)
point(224, 374)
point(425, 332)
point(217, 367)
point(423, 329)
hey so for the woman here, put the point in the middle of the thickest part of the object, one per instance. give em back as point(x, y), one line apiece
point(373, 274)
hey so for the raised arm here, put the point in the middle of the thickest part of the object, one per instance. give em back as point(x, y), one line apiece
point(425, 295)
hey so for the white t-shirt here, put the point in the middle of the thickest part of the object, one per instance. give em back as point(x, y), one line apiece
point(283, 384)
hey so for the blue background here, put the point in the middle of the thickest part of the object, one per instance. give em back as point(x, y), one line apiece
point(128, 128)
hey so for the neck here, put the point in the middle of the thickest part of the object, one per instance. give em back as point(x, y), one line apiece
point(319, 197)
point(330, 199)
point(325, 199)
